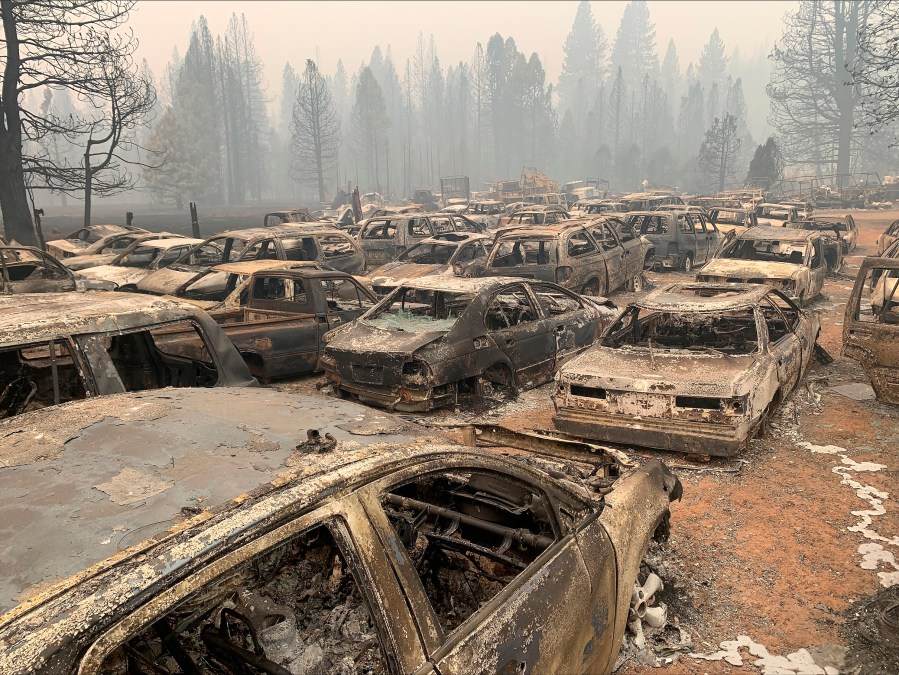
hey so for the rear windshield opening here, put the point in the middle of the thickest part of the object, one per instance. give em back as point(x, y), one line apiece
point(730, 332)
point(523, 252)
point(767, 251)
point(421, 311)
point(429, 254)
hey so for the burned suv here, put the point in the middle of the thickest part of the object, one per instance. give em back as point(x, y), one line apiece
point(434, 338)
point(680, 239)
point(593, 257)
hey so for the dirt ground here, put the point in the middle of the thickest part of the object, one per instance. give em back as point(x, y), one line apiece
point(776, 546)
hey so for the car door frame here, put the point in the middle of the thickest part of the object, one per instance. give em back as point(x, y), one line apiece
point(439, 643)
point(370, 566)
point(784, 352)
point(509, 340)
point(565, 326)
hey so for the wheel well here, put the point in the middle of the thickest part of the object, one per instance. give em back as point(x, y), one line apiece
point(254, 362)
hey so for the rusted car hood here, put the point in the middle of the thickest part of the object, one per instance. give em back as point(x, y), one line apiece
point(365, 338)
point(115, 274)
point(83, 262)
point(663, 372)
point(396, 272)
point(748, 269)
point(184, 451)
point(169, 279)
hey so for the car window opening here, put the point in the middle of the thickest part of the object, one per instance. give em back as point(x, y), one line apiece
point(469, 535)
point(35, 376)
point(767, 250)
point(730, 332)
point(294, 609)
point(421, 311)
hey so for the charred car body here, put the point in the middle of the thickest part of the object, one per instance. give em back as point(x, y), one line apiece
point(841, 230)
point(25, 269)
point(889, 235)
point(300, 242)
point(76, 242)
point(792, 261)
point(279, 328)
point(394, 555)
point(107, 249)
point(141, 258)
point(689, 367)
point(58, 347)
point(384, 238)
point(680, 240)
point(593, 257)
point(775, 215)
point(432, 339)
point(455, 253)
point(871, 325)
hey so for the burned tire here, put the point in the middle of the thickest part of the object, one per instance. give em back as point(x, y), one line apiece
point(636, 284)
point(496, 384)
point(686, 265)
point(593, 288)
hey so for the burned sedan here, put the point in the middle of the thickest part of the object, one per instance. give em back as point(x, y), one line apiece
point(871, 325)
point(204, 544)
point(792, 261)
point(690, 368)
point(58, 347)
point(139, 260)
point(458, 253)
point(433, 339)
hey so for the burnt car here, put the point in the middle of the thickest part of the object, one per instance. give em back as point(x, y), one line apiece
point(595, 207)
point(298, 242)
point(732, 219)
point(280, 325)
point(841, 229)
point(276, 218)
point(680, 240)
point(689, 367)
point(486, 212)
point(143, 257)
point(107, 249)
point(75, 243)
point(549, 215)
point(792, 261)
point(889, 235)
point(594, 257)
point(775, 215)
point(26, 269)
point(58, 347)
point(433, 339)
point(647, 201)
point(384, 238)
point(871, 325)
point(356, 547)
point(455, 253)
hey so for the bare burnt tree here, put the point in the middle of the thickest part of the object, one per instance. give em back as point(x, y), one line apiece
point(719, 151)
point(876, 71)
point(314, 130)
point(814, 105)
point(67, 44)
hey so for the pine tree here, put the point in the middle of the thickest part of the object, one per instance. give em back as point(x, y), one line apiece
point(718, 153)
point(582, 70)
point(314, 130)
point(767, 166)
point(370, 124)
point(634, 51)
point(712, 62)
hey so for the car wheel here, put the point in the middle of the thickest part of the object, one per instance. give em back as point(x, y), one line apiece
point(592, 288)
point(496, 384)
point(635, 284)
point(686, 265)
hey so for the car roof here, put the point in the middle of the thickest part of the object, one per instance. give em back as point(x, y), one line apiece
point(456, 238)
point(95, 479)
point(683, 297)
point(34, 317)
point(547, 231)
point(171, 242)
point(252, 266)
point(779, 233)
point(460, 284)
point(281, 230)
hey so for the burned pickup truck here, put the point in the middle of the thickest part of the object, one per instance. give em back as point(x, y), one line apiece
point(871, 325)
point(434, 339)
point(792, 261)
point(690, 368)
point(279, 330)
point(58, 347)
point(356, 547)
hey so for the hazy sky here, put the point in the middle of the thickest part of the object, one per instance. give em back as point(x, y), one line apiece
point(328, 31)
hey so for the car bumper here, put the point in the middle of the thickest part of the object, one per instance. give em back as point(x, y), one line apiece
point(400, 398)
point(666, 262)
point(665, 434)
